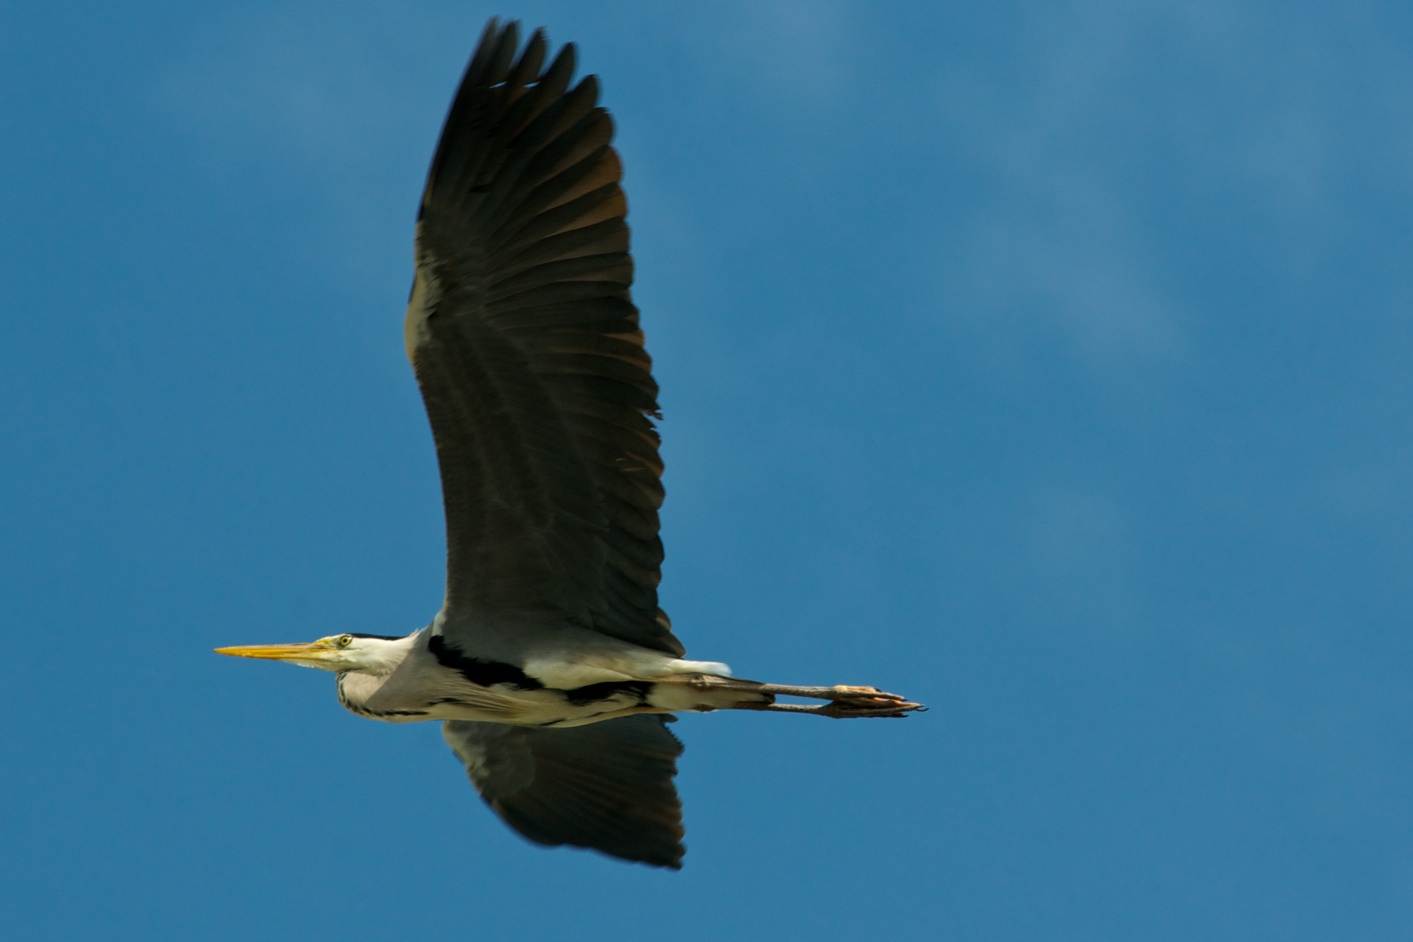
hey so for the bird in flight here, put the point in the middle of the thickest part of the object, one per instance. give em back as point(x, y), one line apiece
point(550, 665)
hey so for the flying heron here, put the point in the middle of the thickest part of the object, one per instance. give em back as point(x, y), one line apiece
point(550, 665)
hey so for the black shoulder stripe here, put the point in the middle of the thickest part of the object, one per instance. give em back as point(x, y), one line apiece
point(479, 672)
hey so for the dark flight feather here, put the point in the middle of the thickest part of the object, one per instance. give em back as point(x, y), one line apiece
point(526, 345)
point(607, 786)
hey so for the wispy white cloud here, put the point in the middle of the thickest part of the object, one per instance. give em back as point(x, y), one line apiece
point(328, 109)
point(1051, 250)
point(1078, 547)
point(795, 47)
point(278, 82)
point(1125, 108)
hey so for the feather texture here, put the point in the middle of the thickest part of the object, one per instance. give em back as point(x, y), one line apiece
point(607, 786)
point(526, 345)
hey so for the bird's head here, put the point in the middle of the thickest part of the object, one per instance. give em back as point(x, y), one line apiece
point(346, 652)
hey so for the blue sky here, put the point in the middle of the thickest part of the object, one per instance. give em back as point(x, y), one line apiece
point(1049, 363)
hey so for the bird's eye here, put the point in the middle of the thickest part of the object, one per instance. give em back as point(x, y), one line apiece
point(345, 640)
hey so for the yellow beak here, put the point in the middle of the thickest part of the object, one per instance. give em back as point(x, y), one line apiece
point(308, 651)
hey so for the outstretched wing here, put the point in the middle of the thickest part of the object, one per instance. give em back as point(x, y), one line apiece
point(607, 786)
point(527, 349)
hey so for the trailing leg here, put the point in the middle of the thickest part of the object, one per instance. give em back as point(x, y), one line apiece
point(842, 702)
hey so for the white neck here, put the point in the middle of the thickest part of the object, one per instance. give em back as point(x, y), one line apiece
point(376, 656)
point(371, 663)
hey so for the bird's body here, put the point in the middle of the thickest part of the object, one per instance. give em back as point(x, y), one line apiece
point(421, 677)
point(550, 664)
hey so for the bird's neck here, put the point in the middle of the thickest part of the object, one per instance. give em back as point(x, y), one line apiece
point(379, 658)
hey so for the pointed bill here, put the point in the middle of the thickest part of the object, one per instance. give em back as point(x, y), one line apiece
point(308, 654)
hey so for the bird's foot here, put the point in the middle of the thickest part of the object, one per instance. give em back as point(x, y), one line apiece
point(843, 702)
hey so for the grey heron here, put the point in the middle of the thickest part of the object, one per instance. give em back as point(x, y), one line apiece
point(550, 664)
